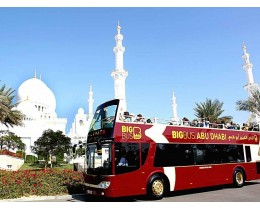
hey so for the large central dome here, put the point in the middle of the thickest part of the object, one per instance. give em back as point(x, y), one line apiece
point(38, 93)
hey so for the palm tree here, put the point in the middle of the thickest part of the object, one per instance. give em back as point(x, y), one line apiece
point(8, 115)
point(252, 104)
point(211, 110)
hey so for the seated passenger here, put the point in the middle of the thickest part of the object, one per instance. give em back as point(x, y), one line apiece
point(174, 122)
point(148, 121)
point(195, 123)
point(214, 124)
point(126, 117)
point(123, 161)
point(185, 121)
point(139, 118)
point(207, 124)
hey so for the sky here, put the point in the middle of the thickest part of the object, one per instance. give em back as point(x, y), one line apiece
point(194, 51)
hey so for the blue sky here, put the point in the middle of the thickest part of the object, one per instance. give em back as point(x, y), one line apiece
point(194, 51)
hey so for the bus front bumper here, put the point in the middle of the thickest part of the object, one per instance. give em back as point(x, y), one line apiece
point(97, 190)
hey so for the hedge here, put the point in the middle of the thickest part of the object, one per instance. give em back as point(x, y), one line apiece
point(50, 182)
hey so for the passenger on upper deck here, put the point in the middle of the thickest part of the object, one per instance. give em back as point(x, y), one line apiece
point(213, 125)
point(195, 123)
point(139, 118)
point(126, 117)
point(204, 123)
point(185, 121)
point(245, 127)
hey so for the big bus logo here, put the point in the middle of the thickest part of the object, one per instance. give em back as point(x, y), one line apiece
point(131, 132)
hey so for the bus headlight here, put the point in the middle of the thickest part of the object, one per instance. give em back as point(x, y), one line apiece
point(104, 184)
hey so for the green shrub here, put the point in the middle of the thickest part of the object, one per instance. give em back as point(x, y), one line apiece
point(30, 159)
point(21, 153)
point(60, 157)
point(15, 184)
point(80, 151)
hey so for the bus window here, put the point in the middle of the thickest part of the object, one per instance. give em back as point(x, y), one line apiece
point(173, 155)
point(248, 154)
point(144, 149)
point(213, 154)
point(126, 157)
point(199, 154)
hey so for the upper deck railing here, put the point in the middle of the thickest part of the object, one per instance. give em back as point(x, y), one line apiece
point(135, 119)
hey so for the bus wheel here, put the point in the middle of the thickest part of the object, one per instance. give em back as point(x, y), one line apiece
point(156, 187)
point(239, 178)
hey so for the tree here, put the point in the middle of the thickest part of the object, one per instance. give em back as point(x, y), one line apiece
point(211, 110)
point(10, 140)
point(80, 150)
point(2, 140)
point(13, 141)
point(51, 143)
point(252, 104)
point(8, 115)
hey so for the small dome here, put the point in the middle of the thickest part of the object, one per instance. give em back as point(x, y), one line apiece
point(37, 93)
point(28, 109)
point(80, 111)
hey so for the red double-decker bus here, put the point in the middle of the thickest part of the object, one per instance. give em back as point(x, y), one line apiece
point(126, 158)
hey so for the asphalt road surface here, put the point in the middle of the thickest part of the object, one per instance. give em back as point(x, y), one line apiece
point(250, 192)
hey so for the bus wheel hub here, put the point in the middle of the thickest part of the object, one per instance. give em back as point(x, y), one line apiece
point(157, 187)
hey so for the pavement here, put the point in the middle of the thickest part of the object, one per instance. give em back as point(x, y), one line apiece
point(38, 198)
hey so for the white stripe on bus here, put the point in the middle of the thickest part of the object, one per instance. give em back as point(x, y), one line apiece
point(156, 133)
point(171, 175)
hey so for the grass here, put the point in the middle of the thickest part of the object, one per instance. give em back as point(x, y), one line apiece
point(35, 166)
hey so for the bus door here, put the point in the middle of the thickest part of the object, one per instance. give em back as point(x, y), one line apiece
point(205, 173)
point(127, 166)
point(194, 169)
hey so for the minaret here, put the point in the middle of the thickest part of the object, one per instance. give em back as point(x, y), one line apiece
point(90, 102)
point(250, 87)
point(175, 117)
point(248, 67)
point(119, 74)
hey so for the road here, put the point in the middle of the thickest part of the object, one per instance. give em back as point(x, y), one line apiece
point(249, 193)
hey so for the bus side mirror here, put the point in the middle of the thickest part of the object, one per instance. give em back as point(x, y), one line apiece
point(99, 149)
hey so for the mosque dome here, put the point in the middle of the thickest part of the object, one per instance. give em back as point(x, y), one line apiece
point(28, 109)
point(81, 111)
point(37, 92)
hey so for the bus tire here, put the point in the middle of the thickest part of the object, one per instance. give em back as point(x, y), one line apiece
point(156, 187)
point(239, 178)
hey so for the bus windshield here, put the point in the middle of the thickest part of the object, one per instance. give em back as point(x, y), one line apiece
point(103, 118)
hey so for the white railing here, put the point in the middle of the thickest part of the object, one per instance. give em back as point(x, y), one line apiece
point(143, 120)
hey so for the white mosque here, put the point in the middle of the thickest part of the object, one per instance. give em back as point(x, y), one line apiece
point(80, 126)
point(38, 104)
